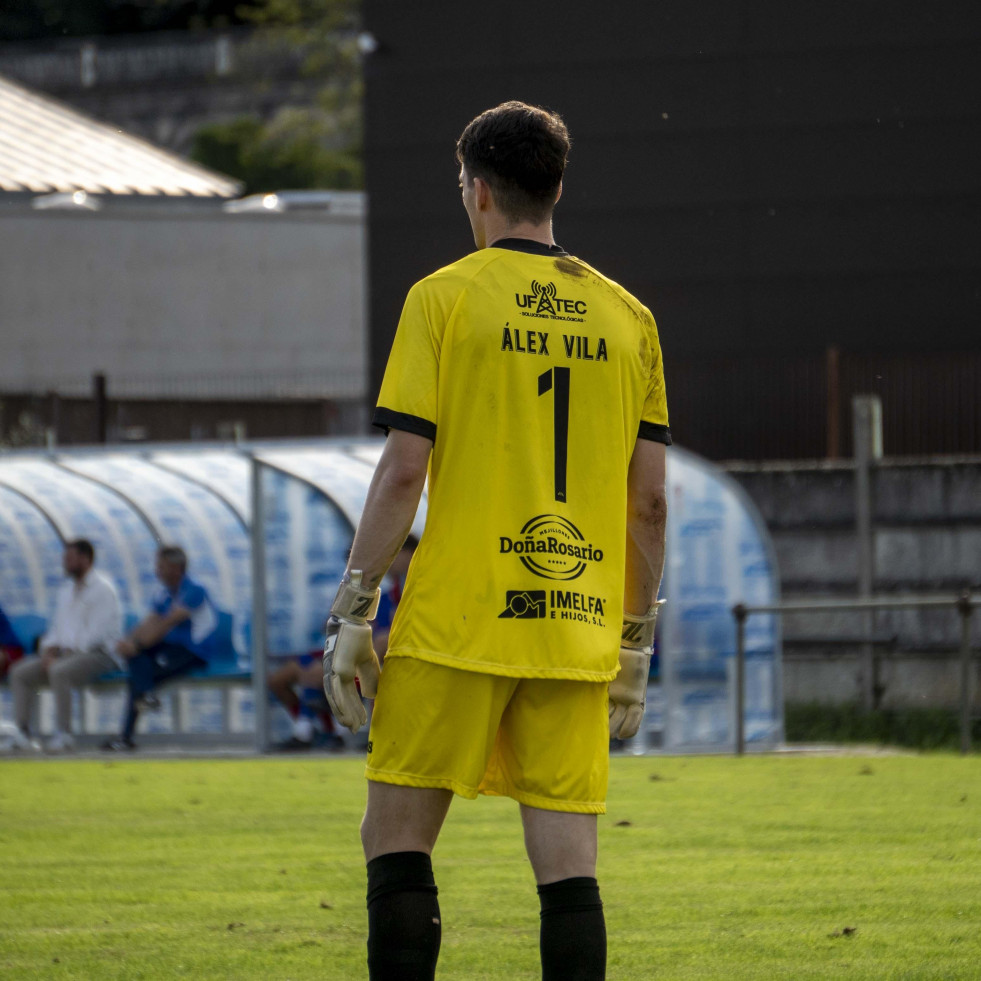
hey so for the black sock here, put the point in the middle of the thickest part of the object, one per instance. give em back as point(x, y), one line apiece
point(403, 918)
point(573, 937)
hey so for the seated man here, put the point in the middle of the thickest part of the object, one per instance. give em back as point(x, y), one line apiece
point(299, 684)
point(176, 637)
point(79, 646)
point(10, 649)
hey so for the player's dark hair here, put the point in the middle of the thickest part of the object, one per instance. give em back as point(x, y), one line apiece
point(173, 554)
point(84, 547)
point(521, 151)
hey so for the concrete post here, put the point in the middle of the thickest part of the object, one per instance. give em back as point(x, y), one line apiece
point(965, 607)
point(867, 439)
point(259, 656)
point(832, 364)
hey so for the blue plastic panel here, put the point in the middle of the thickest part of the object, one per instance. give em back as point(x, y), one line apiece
point(125, 546)
point(225, 472)
point(306, 545)
point(718, 554)
point(341, 475)
point(30, 563)
point(187, 514)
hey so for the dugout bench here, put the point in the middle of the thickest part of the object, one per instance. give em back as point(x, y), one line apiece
point(223, 672)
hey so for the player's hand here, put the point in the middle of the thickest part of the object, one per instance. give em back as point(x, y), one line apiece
point(348, 655)
point(628, 693)
point(628, 690)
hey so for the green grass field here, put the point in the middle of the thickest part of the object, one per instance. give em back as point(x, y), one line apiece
point(718, 868)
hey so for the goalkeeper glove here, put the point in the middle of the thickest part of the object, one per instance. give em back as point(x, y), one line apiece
point(348, 654)
point(628, 690)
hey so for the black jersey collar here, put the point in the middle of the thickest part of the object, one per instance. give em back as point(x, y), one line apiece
point(527, 245)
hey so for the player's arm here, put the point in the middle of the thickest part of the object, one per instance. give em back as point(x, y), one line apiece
point(647, 513)
point(389, 510)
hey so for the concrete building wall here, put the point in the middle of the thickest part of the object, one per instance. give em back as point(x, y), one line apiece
point(168, 301)
point(927, 517)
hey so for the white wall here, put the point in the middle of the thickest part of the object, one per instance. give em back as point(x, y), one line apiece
point(173, 301)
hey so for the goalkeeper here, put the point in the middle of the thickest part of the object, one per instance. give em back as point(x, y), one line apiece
point(529, 388)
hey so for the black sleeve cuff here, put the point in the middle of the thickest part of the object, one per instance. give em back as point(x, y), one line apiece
point(654, 432)
point(388, 419)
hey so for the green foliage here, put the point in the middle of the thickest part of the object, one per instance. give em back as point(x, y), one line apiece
point(26, 430)
point(304, 146)
point(284, 156)
point(22, 20)
point(914, 728)
point(743, 869)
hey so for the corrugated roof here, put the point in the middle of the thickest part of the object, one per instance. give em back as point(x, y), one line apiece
point(45, 147)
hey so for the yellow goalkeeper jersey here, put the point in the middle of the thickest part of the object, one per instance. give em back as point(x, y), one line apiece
point(534, 375)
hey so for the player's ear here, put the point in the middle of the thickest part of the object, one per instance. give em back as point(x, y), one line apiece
point(482, 194)
point(558, 193)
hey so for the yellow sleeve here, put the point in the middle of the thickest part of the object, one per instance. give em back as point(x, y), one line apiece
point(654, 419)
point(407, 400)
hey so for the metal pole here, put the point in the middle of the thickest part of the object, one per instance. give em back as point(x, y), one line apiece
point(259, 654)
point(740, 613)
point(867, 433)
point(964, 607)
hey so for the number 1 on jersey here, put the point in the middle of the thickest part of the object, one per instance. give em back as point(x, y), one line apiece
point(558, 378)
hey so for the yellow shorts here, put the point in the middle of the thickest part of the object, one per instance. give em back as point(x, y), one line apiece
point(542, 741)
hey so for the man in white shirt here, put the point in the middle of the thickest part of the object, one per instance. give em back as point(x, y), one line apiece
point(84, 631)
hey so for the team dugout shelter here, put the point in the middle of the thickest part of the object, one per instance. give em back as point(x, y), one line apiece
point(267, 528)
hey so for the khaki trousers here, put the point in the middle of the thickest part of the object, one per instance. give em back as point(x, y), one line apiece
point(68, 671)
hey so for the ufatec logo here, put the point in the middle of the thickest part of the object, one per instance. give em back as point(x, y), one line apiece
point(544, 301)
point(524, 604)
point(552, 547)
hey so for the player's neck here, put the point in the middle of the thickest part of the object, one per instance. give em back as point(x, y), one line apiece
point(525, 229)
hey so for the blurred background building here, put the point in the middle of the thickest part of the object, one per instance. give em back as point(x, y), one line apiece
point(793, 190)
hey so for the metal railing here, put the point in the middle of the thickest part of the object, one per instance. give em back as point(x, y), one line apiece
point(964, 605)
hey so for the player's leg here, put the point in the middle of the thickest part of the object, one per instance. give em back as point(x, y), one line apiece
point(148, 670)
point(25, 677)
point(69, 672)
point(399, 831)
point(402, 819)
point(313, 702)
point(562, 850)
point(432, 732)
point(282, 682)
point(560, 844)
point(138, 683)
point(561, 786)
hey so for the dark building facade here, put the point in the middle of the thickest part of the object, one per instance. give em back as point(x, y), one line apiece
point(793, 189)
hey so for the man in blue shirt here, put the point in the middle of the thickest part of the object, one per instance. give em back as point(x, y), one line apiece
point(177, 636)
